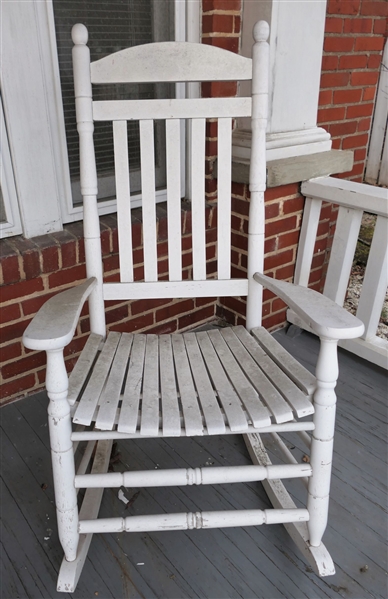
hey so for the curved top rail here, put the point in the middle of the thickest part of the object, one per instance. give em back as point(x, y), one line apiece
point(171, 61)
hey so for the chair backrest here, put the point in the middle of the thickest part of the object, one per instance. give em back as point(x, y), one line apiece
point(172, 62)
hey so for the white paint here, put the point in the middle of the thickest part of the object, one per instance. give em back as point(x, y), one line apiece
point(294, 78)
point(376, 165)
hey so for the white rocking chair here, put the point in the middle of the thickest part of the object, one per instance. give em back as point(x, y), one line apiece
point(232, 380)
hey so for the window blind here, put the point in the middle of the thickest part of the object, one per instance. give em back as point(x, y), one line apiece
point(112, 26)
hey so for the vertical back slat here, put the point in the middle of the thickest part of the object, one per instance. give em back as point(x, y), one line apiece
point(173, 165)
point(198, 198)
point(120, 141)
point(224, 178)
point(147, 156)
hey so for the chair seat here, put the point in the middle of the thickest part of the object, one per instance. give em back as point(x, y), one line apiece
point(210, 382)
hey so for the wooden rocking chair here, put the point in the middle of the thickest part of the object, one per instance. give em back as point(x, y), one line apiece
point(232, 380)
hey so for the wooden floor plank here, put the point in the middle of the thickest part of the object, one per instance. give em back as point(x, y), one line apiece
point(254, 562)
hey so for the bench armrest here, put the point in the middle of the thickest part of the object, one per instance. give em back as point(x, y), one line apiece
point(54, 324)
point(324, 317)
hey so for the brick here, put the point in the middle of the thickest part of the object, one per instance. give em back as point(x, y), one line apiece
point(282, 191)
point(50, 259)
point(18, 386)
point(13, 331)
point(17, 290)
point(333, 25)
point(272, 210)
point(288, 240)
point(293, 205)
point(209, 5)
point(117, 314)
point(347, 96)
point(270, 245)
point(67, 245)
point(239, 241)
point(368, 78)
point(336, 144)
point(275, 320)
point(31, 264)
point(219, 89)
point(237, 24)
point(67, 276)
point(204, 301)
point(11, 351)
point(271, 262)
point(369, 44)
point(189, 320)
point(358, 25)
point(364, 124)
point(343, 7)
point(10, 267)
point(359, 154)
point(240, 206)
point(338, 44)
point(380, 26)
point(334, 80)
point(217, 23)
point(329, 63)
point(357, 170)
point(31, 306)
point(325, 97)
point(111, 263)
point(165, 328)
point(227, 43)
point(359, 110)
point(29, 362)
point(238, 189)
point(281, 225)
point(141, 306)
point(374, 61)
point(326, 115)
point(179, 307)
point(376, 8)
point(9, 313)
point(341, 129)
point(134, 324)
point(353, 61)
point(285, 273)
point(369, 93)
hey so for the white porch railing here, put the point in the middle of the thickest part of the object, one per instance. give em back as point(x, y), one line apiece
point(353, 199)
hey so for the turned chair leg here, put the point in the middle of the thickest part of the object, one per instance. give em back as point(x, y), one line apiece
point(62, 453)
point(322, 440)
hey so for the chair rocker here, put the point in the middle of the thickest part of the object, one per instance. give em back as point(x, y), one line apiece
point(232, 380)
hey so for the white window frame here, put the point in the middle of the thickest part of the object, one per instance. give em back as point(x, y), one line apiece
point(294, 77)
point(31, 86)
point(12, 224)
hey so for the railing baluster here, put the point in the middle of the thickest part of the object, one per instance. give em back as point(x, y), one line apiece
point(375, 280)
point(308, 234)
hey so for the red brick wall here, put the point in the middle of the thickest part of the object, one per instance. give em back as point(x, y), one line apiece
point(354, 39)
point(32, 270)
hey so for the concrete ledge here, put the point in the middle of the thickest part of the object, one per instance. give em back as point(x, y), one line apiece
point(296, 169)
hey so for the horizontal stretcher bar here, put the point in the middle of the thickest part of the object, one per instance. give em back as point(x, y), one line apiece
point(272, 428)
point(192, 476)
point(191, 520)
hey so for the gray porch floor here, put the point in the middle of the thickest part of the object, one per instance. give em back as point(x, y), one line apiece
point(254, 562)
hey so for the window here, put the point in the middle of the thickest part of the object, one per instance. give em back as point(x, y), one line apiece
point(112, 27)
point(32, 101)
point(9, 209)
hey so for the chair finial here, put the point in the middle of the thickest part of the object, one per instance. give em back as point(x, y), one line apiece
point(79, 34)
point(261, 31)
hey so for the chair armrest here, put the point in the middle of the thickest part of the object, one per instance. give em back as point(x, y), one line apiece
point(324, 317)
point(53, 326)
